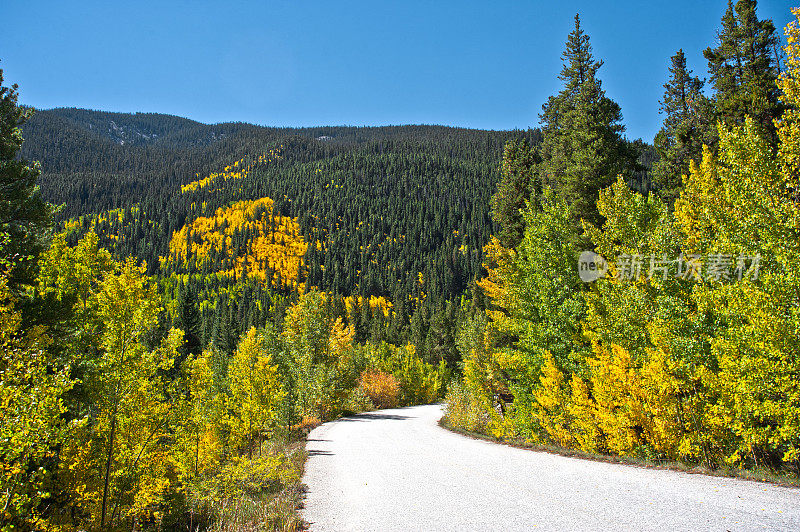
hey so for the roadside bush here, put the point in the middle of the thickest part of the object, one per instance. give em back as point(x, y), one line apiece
point(257, 494)
point(463, 410)
point(382, 389)
point(357, 402)
point(420, 382)
point(306, 425)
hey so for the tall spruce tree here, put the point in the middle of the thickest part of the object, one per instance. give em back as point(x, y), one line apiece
point(744, 67)
point(24, 216)
point(224, 336)
point(688, 125)
point(583, 149)
point(517, 183)
point(188, 319)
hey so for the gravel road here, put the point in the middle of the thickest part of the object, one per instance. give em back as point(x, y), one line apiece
point(398, 470)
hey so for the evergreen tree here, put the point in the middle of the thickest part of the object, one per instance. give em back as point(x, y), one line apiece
point(363, 322)
point(641, 179)
point(583, 149)
point(744, 67)
point(441, 337)
point(224, 336)
point(24, 215)
point(516, 185)
point(188, 319)
point(418, 330)
point(687, 126)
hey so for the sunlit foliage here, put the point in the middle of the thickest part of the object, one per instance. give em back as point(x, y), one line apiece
point(687, 366)
point(237, 170)
point(31, 423)
point(245, 240)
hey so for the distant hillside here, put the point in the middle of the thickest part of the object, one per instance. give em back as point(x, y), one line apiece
point(153, 129)
point(96, 160)
point(381, 205)
point(400, 212)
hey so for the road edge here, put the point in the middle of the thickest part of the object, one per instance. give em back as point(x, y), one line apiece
point(736, 474)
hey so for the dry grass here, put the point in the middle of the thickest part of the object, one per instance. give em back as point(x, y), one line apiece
point(255, 514)
point(254, 495)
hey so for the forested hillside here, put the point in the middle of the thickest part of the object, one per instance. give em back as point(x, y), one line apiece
point(394, 212)
point(211, 292)
point(399, 212)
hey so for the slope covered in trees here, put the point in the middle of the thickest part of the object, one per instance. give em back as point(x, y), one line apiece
point(381, 208)
point(175, 400)
point(398, 212)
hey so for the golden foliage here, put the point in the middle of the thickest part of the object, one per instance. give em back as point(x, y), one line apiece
point(552, 399)
point(690, 368)
point(375, 302)
point(381, 388)
point(237, 170)
point(498, 263)
point(245, 239)
point(31, 406)
point(255, 391)
point(198, 438)
point(341, 338)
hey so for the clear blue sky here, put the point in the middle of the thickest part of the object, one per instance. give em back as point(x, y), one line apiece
point(483, 64)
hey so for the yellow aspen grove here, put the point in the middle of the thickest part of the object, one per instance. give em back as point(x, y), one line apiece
point(123, 442)
point(272, 253)
point(341, 338)
point(498, 264)
point(586, 431)
point(617, 396)
point(553, 403)
point(199, 444)
point(237, 170)
point(31, 427)
point(663, 413)
point(701, 204)
point(255, 393)
point(692, 327)
point(354, 302)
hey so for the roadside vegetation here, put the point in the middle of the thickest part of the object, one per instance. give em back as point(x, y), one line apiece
point(113, 416)
point(686, 351)
point(130, 430)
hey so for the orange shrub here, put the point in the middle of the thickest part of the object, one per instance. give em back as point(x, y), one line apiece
point(306, 425)
point(381, 388)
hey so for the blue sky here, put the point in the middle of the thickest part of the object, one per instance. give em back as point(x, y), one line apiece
point(484, 64)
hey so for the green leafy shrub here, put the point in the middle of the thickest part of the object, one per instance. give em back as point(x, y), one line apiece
point(358, 401)
point(463, 410)
point(420, 382)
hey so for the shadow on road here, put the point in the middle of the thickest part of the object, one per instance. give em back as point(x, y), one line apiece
point(368, 416)
point(314, 452)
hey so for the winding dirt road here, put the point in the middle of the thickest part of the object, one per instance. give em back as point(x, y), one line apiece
point(398, 470)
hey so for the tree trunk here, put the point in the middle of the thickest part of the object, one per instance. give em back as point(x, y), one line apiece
point(108, 467)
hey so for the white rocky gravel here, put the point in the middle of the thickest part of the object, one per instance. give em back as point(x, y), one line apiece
point(398, 470)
